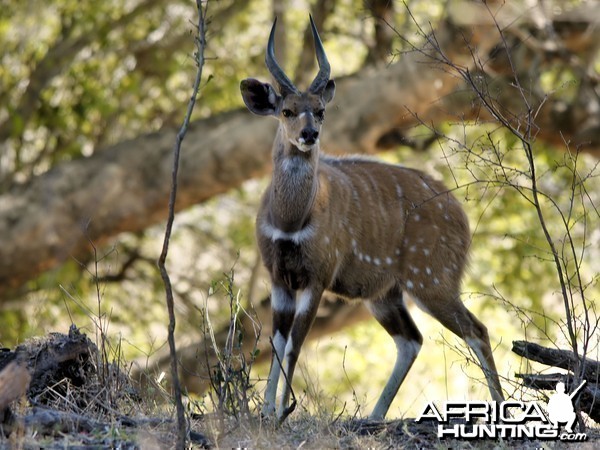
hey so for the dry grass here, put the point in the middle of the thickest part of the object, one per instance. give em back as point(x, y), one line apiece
point(311, 432)
point(109, 413)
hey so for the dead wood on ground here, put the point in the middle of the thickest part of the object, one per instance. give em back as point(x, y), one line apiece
point(589, 397)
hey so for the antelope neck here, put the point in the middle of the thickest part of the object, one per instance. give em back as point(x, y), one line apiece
point(294, 186)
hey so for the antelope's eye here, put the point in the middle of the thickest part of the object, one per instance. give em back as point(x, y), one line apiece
point(287, 113)
point(320, 114)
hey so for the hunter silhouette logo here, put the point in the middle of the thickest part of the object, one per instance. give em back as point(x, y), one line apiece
point(560, 407)
point(509, 419)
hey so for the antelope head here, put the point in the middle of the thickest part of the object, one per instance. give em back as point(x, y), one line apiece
point(300, 114)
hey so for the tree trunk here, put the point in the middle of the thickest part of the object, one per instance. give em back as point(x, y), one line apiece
point(383, 33)
point(306, 67)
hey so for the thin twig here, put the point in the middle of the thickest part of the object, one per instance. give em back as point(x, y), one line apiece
point(199, 59)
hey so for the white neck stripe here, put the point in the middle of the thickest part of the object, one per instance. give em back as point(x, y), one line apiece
point(275, 233)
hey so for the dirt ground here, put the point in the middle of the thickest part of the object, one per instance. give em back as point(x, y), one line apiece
point(56, 392)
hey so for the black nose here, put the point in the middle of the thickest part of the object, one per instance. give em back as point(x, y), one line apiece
point(309, 135)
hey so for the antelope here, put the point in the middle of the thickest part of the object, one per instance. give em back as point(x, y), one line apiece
point(355, 227)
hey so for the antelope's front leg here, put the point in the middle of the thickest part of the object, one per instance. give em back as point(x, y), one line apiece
point(307, 304)
point(283, 306)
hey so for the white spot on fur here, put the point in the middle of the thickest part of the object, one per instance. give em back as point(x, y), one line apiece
point(304, 302)
point(337, 253)
point(409, 284)
point(443, 238)
point(388, 260)
point(421, 285)
point(280, 301)
point(397, 251)
point(289, 346)
point(440, 205)
point(413, 248)
point(436, 281)
point(377, 261)
point(415, 270)
point(326, 239)
point(367, 258)
point(417, 217)
point(428, 270)
point(426, 251)
point(398, 191)
point(446, 216)
point(354, 243)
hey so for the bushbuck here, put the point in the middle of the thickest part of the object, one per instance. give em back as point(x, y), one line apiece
point(358, 228)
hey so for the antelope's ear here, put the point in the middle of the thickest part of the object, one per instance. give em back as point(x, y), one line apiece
point(328, 92)
point(260, 98)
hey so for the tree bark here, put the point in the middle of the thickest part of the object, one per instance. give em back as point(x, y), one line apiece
point(383, 33)
point(125, 187)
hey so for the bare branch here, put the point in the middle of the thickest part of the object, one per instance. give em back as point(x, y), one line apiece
point(182, 435)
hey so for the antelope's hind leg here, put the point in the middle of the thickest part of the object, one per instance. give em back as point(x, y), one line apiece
point(391, 312)
point(455, 316)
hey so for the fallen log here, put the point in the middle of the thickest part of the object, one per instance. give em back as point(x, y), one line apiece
point(589, 397)
point(563, 359)
point(57, 361)
point(72, 389)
